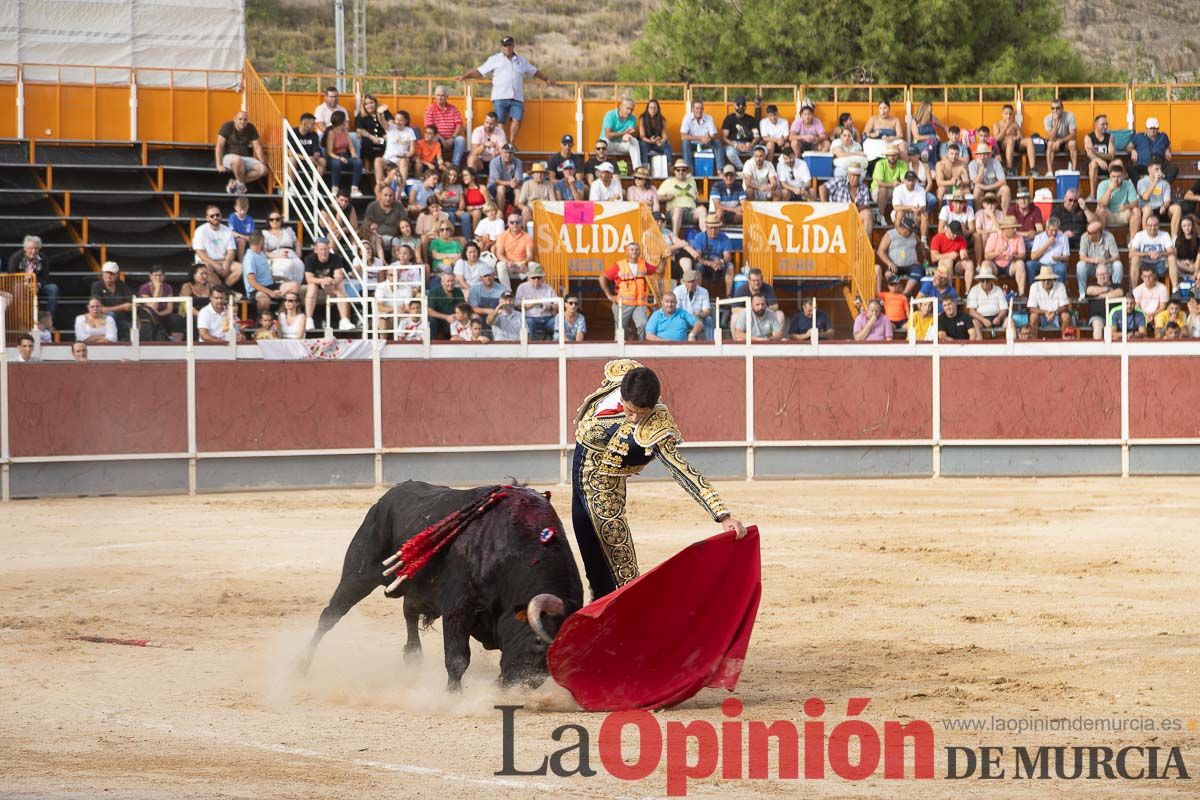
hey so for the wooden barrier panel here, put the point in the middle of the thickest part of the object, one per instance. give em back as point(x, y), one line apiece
point(822, 399)
point(1164, 393)
point(469, 402)
point(706, 394)
point(283, 405)
point(97, 409)
point(1031, 398)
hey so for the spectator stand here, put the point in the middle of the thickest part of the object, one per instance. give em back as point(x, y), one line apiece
point(5, 455)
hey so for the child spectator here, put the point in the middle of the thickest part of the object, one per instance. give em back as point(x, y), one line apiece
point(409, 328)
point(45, 327)
point(460, 325)
point(428, 151)
point(241, 223)
point(895, 302)
point(266, 326)
point(399, 145)
point(478, 336)
point(1171, 315)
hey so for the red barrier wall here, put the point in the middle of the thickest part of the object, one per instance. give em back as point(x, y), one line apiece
point(842, 398)
point(469, 402)
point(1164, 397)
point(90, 409)
point(283, 405)
point(1031, 398)
point(706, 395)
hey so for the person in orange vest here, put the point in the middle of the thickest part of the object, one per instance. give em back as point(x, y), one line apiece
point(628, 287)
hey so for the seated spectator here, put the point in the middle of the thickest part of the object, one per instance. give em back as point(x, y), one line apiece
point(1154, 197)
point(239, 152)
point(807, 132)
point(215, 322)
point(475, 198)
point(987, 176)
point(79, 352)
point(564, 156)
point(872, 325)
point(488, 229)
point(726, 195)
point(1048, 304)
point(30, 261)
point(1143, 147)
point(922, 322)
point(1126, 315)
point(1097, 294)
point(346, 218)
point(739, 133)
point(399, 147)
point(385, 213)
point(574, 325)
point(773, 132)
point(895, 302)
point(620, 128)
point(460, 323)
point(259, 282)
point(652, 132)
point(513, 250)
point(697, 131)
point(809, 317)
point(25, 349)
point(764, 324)
point(325, 276)
point(342, 153)
point(478, 334)
point(486, 143)
point(425, 194)
point(1187, 247)
point(538, 188)
point(539, 316)
point(1100, 151)
point(888, 174)
point(215, 247)
point(447, 121)
point(898, 256)
point(198, 289)
point(642, 190)
point(1117, 201)
point(850, 189)
point(941, 286)
point(883, 126)
point(693, 298)
point(1028, 216)
point(267, 327)
point(591, 167)
point(711, 250)
point(987, 222)
point(1171, 315)
point(570, 187)
point(95, 326)
point(756, 284)
point(1009, 139)
point(411, 326)
point(469, 270)
point(678, 195)
point(1097, 249)
point(241, 224)
point(759, 177)
point(1073, 218)
point(670, 323)
point(987, 305)
point(951, 171)
point(505, 175)
point(115, 297)
point(429, 222)
point(923, 129)
point(1173, 331)
point(1060, 135)
point(45, 327)
point(1006, 252)
point(445, 249)
point(908, 200)
point(606, 188)
point(443, 299)
point(310, 141)
point(1051, 249)
point(846, 152)
point(427, 152)
point(949, 252)
point(158, 322)
point(1154, 248)
point(795, 180)
point(955, 140)
point(627, 285)
point(407, 236)
point(291, 321)
point(953, 326)
point(1150, 295)
point(279, 244)
point(1193, 319)
point(505, 320)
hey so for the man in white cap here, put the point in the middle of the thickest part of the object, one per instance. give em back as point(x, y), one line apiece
point(693, 298)
point(606, 188)
point(1048, 303)
point(986, 303)
point(508, 71)
point(115, 297)
point(1145, 146)
point(540, 311)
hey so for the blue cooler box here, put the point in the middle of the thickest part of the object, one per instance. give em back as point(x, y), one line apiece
point(820, 165)
point(706, 164)
point(1064, 181)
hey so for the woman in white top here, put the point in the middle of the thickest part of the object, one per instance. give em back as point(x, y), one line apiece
point(291, 317)
point(489, 229)
point(95, 327)
point(279, 245)
point(398, 147)
point(468, 268)
point(846, 151)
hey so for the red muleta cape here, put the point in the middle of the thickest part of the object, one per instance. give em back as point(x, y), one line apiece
point(667, 634)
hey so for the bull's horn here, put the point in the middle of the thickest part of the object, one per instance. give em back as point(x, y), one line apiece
point(543, 604)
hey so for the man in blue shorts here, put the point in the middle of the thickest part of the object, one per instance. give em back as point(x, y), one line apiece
point(508, 71)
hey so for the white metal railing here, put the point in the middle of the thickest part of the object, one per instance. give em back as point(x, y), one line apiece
point(374, 317)
point(559, 324)
point(135, 332)
point(730, 301)
point(1109, 303)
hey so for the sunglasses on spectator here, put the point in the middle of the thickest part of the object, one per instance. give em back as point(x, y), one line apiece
point(572, 303)
point(274, 219)
point(445, 229)
point(290, 300)
point(514, 222)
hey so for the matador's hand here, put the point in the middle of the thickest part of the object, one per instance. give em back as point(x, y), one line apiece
point(731, 524)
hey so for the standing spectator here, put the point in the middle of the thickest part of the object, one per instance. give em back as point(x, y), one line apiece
point(698, 131)
point(627, 286)
point(642, 190)
point(1097, 249)
point(279, 243)
point(325, 275)
point(619, 127)
point(443, 299)
point(448, 121)
point(310, 141)
point(508, 71)
point(1154, 197)
point(693, 298)
point(1060, 135)
point(1100, 151)
point(987, 176)
point(795, 181)
point(325, 110)
point(987, 305)
point(564, 156)
point(539, 316)
point(949, 252)
point(652, 131)
point(888, 174)
point(739, 133)
point(670, 323)
point(1104, 289)
point(773, 132)
point(1010, 138)
point(505, 175)
point(486, 142)
point(1117, 201)
point(505, 320)
point(574, 325)
point(342, 152)
point(116, 297)
point(513, 251)
point(725, 196)
point(1048, 303)
point(807, 132)
point(427, 152)
point(678, 195)
point(371, 124)
point(239, 151)
point(1145, 146)
point(606, 188)
point(158, 322)
point(1153, 248)
point(95, 326)
point(809, 317)
point(759, 176)
point(953, 326)
point(872, 325)
point(215, 247)
point(1006, 252)
point(259, 282)
point(850, 189)
point(1051, 249)
point(30, 261)
point(214, 323)
point(760, 325)
point(399, 146)
point(241, 224)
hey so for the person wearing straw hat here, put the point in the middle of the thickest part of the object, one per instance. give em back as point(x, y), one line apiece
point(986, 304)
point(955, 209)
point(1048, 303)
point(642, 190)
point(1005, 251)
point(538, 188)
point(851, 188)
point(678, 194)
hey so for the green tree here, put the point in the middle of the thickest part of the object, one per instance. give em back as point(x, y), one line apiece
point(810, 41)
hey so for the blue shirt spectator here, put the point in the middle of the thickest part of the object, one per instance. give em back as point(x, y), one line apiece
point(711, 246)
point(670, 323)
point(255, 263)
point(726, 195)
point(1146, 148)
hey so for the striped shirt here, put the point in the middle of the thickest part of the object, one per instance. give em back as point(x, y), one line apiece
point(446, 120)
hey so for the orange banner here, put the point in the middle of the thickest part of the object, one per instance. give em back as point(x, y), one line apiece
point(580, 239)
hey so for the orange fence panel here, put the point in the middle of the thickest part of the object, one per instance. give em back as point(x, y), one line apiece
point(21, 316)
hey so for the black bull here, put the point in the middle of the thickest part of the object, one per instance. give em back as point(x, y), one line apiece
point(497, 581)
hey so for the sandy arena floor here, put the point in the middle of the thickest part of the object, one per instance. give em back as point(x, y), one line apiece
point(1053, 598)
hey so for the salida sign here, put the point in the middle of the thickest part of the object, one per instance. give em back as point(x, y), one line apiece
point(579, 239)
point(811, 240)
